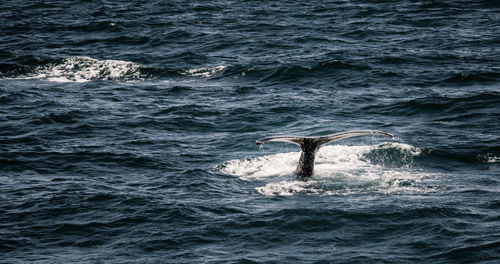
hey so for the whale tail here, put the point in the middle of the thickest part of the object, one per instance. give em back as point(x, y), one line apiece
point(310, 145)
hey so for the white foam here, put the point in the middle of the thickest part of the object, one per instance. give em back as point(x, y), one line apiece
point(204, 72)
point(84, 69)
point(339, 170)
point(489, 158)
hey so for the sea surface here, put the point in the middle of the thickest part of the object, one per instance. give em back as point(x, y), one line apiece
point(128, 129)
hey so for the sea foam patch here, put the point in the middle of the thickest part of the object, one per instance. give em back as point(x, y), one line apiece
point(84, 69)
point(339, 170)
point(204, 72)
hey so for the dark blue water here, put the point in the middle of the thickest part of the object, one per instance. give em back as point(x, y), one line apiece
point(128, 128)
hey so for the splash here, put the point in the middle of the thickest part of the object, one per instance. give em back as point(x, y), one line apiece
point(84, 69)
point(339, 170)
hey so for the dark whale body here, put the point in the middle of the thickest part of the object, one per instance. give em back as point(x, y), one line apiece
point(310, 146)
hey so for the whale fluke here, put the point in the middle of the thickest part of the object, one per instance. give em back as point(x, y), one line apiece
point(310, 145)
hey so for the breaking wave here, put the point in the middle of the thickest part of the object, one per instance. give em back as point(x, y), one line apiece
point(204, 72)
point(84, 69)
point(79, 69)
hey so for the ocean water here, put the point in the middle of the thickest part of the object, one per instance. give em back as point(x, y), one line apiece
point(128, 128)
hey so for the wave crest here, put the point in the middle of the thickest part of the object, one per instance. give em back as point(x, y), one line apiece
point(79, 69)
point(204, 72)
point(84, 69)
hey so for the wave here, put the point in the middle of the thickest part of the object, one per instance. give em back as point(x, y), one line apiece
point(77, 69)
point(205, 72)
point(339, 170)
point(482, 156)
point(488, 158)
point(282, 72)
point(472, 252)
point(470, 78)
point(263, 74)
point(291, 72)
point(47, 162)
point(85, 69)
point(440, 104)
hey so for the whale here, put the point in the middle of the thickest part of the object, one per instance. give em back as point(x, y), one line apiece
point(310, 145)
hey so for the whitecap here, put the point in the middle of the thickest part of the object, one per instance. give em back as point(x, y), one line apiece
point(489, 158)
point(204, 72)
point(84, 69)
